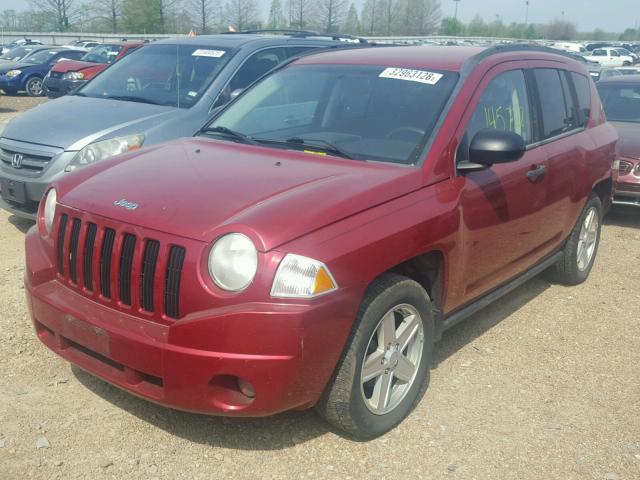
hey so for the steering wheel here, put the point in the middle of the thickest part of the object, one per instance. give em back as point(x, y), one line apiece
point(411, 130)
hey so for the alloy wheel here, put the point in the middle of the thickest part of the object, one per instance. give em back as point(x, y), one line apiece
point(588, 239)
point(392, 359)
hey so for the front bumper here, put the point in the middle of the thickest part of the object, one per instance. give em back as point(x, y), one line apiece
point(286, 351)
point(22, 188)
point(57, 87)
point(13, 83)
point(627, 187)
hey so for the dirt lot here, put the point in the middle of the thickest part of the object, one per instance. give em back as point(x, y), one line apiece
point(542, 385)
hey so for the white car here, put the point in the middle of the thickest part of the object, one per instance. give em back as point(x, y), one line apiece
point(610, 57)
point(570, 47)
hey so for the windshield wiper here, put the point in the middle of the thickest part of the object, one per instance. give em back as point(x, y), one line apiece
point(319, 144)
point(229, 133)
point(129, 98)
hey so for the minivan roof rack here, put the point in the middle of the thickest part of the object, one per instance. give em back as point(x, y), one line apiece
point(302, 34)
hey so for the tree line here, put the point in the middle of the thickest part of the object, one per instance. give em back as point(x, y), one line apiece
point(374, 18)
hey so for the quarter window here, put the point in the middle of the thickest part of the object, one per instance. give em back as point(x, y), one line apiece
point(504, 105)
point(583, 93)
point(555, 103)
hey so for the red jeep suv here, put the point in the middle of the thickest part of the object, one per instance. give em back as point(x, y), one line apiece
point(311, 244)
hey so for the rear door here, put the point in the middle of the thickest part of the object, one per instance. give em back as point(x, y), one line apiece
point(564, 108)
point(502, 206)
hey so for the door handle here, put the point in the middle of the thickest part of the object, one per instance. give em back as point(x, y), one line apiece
point(536, 172)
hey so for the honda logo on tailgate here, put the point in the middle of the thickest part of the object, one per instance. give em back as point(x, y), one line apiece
point(16, 161)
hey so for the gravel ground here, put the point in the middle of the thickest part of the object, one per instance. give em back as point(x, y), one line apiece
point(541, 385)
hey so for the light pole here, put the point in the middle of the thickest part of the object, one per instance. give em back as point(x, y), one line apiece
point(526, 13)
point(456, 11)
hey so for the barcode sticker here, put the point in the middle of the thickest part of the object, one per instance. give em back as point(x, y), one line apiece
point(202, 52)
point(419, 76)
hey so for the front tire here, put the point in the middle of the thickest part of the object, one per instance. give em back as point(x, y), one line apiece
point(34, 87)
point(384, 370)
point(582, 246)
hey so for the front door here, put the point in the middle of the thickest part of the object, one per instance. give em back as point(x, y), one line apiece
point(503, 207)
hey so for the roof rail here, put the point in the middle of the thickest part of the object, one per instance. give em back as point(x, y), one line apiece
point(304, 34)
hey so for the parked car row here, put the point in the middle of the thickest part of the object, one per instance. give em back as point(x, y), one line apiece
point(246, 224)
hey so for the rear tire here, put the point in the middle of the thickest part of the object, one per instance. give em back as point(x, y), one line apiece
point(34, 87)
point(626, 64)
point(582, 246)
point(383, 372)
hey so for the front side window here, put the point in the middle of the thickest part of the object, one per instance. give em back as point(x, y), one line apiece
point(621, 102)
point(558, 115)
point(504, 105)
point(43, 56)
point(360, 112)
point(599, 53)
point(161, 74)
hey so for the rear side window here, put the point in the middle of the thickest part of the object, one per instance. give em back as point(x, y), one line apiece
point(583, 94)
point(555, 102)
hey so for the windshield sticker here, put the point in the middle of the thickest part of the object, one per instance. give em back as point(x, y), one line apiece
point(202, 52)
point(192, 94)
point(313, 152)
point(419, 76)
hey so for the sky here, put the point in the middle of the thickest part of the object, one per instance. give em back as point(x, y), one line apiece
point(611, 16)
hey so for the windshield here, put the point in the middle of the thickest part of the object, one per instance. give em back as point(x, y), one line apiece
point(102, 54)
point(43, 56)
point(621, 102)
point(361, 112)
point(16, 54)
point(171, 75)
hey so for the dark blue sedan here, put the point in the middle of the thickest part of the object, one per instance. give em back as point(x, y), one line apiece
point(27, 74)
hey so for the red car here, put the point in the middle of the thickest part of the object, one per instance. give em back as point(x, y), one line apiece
point(67, 75)
point(312, 243)
point(621, 101)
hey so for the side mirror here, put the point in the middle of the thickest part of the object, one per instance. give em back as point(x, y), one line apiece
point(235, 93)
point(491, 146)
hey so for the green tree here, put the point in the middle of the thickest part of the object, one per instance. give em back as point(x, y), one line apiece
point(352, 22)
point(561, 30)
point(276, 16)
point(452, 26)
point(478, 27)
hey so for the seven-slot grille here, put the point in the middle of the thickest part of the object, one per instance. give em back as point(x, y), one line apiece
point(78, 243)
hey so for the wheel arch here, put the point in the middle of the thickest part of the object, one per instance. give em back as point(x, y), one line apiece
point(604, 190)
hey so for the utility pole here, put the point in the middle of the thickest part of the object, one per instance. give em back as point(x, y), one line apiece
point(456, 11)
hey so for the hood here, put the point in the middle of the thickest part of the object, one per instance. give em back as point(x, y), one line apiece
point(629, 144)
point(72, 122)
point(199, 189)
point(64, 66)
point(5, 67)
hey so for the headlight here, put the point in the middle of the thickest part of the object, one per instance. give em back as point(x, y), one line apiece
point(302, 277)
point(50, 209)
point(233, 262)
point(95, 152)
point(73, 76)
point(13, 73)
